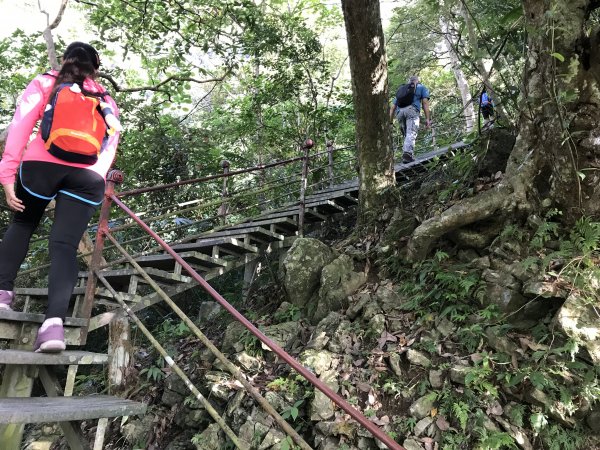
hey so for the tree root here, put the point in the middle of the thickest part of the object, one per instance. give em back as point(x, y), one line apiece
point(471, 210)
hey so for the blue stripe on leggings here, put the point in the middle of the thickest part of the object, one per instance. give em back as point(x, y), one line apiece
point(29, 190)
point(85, 200)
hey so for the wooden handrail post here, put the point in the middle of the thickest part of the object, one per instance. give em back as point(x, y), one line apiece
point(308, 144)
point(224, 208)
point(330, 150)
point(112, 178)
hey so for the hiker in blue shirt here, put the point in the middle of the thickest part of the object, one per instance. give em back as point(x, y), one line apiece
point(487, 108)
point(407, 107)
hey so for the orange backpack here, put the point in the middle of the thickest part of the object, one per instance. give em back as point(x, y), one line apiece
point(73, 125)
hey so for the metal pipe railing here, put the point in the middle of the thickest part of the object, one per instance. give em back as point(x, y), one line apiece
point(307, 374)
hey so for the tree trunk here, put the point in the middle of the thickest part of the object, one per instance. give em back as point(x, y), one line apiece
point(368, 69)
point(474, 43)
point(556, 158)
point(459, 76)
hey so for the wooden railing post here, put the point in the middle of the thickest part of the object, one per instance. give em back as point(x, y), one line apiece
point(308, 144)
point(113, 177)
point(330, 150)
point(224, 208)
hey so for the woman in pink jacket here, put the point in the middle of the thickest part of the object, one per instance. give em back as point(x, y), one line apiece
point(32, 176)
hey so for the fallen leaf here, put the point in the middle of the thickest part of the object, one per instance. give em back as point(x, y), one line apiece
point(442, 423)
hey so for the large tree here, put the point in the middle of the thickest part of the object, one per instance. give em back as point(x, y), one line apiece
point(368, 68)
point(556, 157)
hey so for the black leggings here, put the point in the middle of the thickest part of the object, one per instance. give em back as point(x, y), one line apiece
point(77, 192)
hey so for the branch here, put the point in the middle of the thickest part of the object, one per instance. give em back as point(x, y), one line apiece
point(157, 87)
point(47, 33)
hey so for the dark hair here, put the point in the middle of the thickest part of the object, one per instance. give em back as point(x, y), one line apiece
point(80, 61)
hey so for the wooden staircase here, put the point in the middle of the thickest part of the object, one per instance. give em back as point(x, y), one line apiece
point(211, 254)
point(18, 408)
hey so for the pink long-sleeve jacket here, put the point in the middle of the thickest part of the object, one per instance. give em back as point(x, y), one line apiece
point(29, 112)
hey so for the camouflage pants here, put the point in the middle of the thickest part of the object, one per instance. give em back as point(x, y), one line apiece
point(408, 118)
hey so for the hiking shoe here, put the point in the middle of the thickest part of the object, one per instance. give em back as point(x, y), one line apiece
point(50, 337)
point(407, 158)
point(6, 298)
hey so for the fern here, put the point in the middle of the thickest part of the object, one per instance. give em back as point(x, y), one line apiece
point(497, 440)
point(461, 413)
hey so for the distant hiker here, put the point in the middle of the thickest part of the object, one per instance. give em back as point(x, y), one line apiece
point(487, 109)
point(407, 107)
point(67, 161)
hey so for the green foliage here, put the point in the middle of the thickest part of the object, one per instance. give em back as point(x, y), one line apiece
point(293, 410)
point(461, 413)
point(153, 373)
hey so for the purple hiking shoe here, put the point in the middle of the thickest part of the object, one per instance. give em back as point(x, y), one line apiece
point(6, 298)
point(50, 337)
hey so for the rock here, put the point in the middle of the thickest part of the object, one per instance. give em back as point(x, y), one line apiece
point(219, 384)
point(422, 425)
point(211, 438)
point(593, 421)
point(321, 408)
point(436, 379)
point(302, 268)
point(516, 433)
point(182, 441)
point(376, 325)
point(507, 300)
point(537, 397)
point(209, 311)
point(247, 361)
point(395, 364)
point(318, 361)
point(445, 327)
point(232, 338)
point(253, 432)
point(283, 334)
point(194, 418)
point(544, 290)
point(276, 401)
point(389, 299)
point(357, 303)
point(171, 398)
point(271, 440)
point(481, 263)
point(137, 430)
point(324, 331)
point(411, 444)
point(467, 255)
point(458, 373)
point(365, 443)
point(578, 319)
point(501, 343)
point(422, 407)
point(342, 341)
point(338, 281)
point(175, 383)
point(418, 358)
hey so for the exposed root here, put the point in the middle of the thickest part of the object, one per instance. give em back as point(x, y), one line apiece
point(471, 210)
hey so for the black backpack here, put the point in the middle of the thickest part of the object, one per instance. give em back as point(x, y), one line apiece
point(405, 95)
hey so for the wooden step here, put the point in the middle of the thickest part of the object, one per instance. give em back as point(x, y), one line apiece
point(17, 316)
point(121, 277)
point(282, 223)
point(166, 262)
point(43, 292)
point(65, 358)
point(18, 325)
point(227, 245)
point(62, 409)
point(254, 234)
